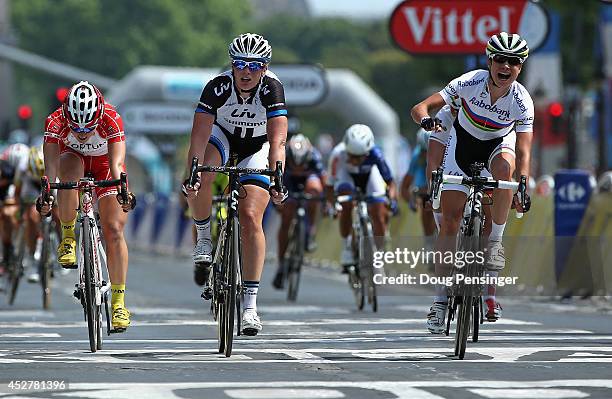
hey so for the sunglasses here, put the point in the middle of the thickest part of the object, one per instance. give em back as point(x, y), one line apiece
point(82, 129)
point(253, 66)
point(502, 59)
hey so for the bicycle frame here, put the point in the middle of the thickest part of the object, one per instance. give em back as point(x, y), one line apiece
point(85, 215)
point(93, 285)
point(226, 276)
point(296, 248)
point(469, 299)
point(361, 275)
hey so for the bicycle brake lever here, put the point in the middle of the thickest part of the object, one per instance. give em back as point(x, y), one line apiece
point(278, 177)
point(123, 187)
point(193, 172)
point(45, 189)
point(522, 188)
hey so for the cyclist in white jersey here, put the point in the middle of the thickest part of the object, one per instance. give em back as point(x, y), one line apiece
point(492, 105)
point(243, 110)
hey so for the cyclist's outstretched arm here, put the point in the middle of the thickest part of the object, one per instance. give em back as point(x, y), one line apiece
point(51, 152)
point(277, 137)
point(200, 133)
point(425, 107)
point(116, 158)
point(523, 154)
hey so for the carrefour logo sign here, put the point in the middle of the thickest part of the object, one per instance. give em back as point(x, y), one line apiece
point(572, 192)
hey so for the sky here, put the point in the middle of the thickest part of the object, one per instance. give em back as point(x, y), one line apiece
point(367, 9)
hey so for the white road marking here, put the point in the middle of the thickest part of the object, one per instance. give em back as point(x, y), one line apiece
point(304, 356)
point(300, 309)
point(400, 389)
point(518, 393)
point(282, 323)
point(30, 335)
point(29, 314)
point(288, 393)
point(136, 310)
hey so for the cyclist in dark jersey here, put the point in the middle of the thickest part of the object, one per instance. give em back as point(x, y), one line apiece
point(304, 172)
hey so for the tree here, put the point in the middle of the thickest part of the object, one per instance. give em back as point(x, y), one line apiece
point(112, 37)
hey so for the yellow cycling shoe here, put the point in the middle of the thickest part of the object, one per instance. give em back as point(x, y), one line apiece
point(66, 253)
point(121, 319)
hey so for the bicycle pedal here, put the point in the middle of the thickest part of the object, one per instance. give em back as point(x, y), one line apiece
point(117, 330)
point(77, 294)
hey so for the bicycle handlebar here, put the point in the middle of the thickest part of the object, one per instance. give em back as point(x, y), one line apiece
point(306, 196)
point(86, 182)
point(359, 197)
point(277, 174)
point(437, 178)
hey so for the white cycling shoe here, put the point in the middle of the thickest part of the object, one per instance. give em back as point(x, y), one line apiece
point(251, 325)
point(497, 259)
point(34, 277)
point(202, 252)
point(435, 318)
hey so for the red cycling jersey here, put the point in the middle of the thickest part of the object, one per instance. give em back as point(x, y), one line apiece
point(94, 143)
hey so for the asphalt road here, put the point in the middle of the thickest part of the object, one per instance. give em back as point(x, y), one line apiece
point(321, 347)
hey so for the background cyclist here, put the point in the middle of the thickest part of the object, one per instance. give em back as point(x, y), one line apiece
point(358, 162)
point(304, 170)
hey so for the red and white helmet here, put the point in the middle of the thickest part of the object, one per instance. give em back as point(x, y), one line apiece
point(83, 107)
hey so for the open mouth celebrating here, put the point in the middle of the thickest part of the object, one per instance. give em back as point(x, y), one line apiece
point(503, 76)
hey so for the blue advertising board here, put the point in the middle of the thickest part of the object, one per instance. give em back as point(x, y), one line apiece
point(572, 193)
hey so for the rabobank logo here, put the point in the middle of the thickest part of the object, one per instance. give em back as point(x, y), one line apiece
point(572, 192)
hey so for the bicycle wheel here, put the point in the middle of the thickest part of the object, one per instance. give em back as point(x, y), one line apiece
point(90, 290)
point(296, 259)
point(16, 265)
point(233, 259)
point(463, 326)
point(356, 286)
point(44, 266)
point(217, 298)
point(366, 268)
point(476, 318)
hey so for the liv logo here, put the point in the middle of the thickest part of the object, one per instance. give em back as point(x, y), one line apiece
point(234, 203)
point(222, 88)
point(245, 112)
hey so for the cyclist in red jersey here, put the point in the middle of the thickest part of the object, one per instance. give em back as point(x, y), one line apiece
point(85, 137)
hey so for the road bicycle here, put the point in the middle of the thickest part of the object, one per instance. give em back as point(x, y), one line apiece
point(361, 273)
point(224, 288)
point(49, 241)
point(298, 241)
point(465, 300)
point(14, 264)
point(93, 286)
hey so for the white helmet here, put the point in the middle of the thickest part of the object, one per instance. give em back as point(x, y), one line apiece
point(250, 46)
point(300, 149)
point(359, 139)
point(509, 44)
point(18, 155)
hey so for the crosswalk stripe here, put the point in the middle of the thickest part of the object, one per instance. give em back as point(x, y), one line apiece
point(518, 393)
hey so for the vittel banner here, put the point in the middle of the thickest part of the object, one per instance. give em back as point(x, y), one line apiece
point(462, 26)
